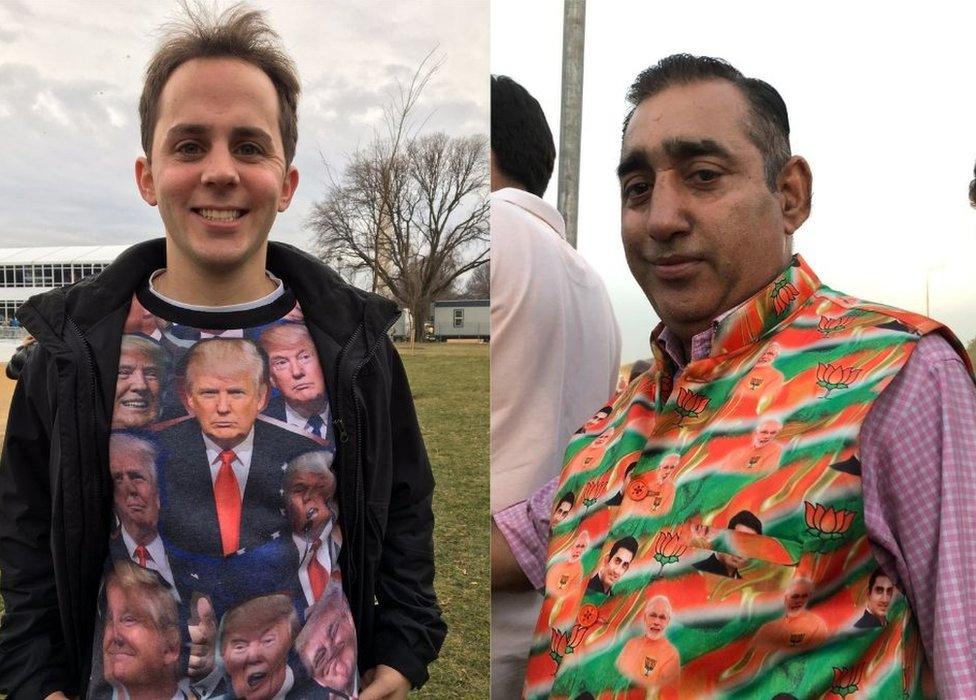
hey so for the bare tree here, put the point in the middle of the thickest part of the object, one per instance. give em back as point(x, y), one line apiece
point(409, 210)
point(478, 285)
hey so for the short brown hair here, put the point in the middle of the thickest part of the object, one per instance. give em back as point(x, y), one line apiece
point(238, 32)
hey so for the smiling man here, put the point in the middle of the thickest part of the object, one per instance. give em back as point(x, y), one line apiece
point(137, 387)
point(879, 406)
point(218, 117)
point(141, 639)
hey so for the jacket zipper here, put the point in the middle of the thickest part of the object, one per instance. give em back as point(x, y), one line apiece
point(340, 424)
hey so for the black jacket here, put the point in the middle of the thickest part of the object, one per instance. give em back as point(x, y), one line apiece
point(56, 495)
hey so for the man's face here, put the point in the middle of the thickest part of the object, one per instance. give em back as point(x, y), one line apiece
point(217, 169)
point(734, 562)
point(879, 597)
point(701, 230)
point(562, 510)
point(765, 432)
point(133, 649)
point(136, 390)
point(134, 492)
point(224, 404)
point(769, 354)
point(616, 566)
point(295, 370)
point(308, 496)
point(330, 653)
point(255, 659)
point(656, 619)
point(579, 546)
point(797, 597)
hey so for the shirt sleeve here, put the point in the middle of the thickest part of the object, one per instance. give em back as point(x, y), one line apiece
point(918, 453)
point(525, 527)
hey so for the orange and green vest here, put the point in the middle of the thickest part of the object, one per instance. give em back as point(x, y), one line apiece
point(733, 560)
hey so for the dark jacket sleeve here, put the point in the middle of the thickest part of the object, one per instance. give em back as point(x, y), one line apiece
point(32, 654)
point(409, 627)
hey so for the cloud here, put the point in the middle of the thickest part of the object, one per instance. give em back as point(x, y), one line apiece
point(49, 107)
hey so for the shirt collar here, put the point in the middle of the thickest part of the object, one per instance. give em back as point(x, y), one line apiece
point(536, 206)
point(757, 317)
point(242, 450)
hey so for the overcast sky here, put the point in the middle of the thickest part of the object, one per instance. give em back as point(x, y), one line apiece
point(71, 75)
point(881, 104)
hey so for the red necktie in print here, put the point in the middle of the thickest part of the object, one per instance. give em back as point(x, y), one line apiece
point(317, 575)
point(142, 555)
point(228, 498)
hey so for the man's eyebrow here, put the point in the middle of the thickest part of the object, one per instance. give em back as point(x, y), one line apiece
point(237, 133)
point(635, 160)
point(250, 132)
point(683, 149)
point(183, 130)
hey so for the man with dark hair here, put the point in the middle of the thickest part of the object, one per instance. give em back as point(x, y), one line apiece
point(552, 333)
point(618, 560)
point(880, 593)
point(711, 197)
point(522, 150)
point(563, 507)
point(219, 129)
point(725, 564)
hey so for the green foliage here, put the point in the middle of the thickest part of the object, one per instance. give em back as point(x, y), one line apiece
point(450, 389)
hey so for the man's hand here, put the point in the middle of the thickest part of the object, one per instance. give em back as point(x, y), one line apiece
point(384, 683)
point(203, 638)
point(506, 574)
point(57, 696)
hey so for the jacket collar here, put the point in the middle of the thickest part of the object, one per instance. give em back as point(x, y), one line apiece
point(337, 308)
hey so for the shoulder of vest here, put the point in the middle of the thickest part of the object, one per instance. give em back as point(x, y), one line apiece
point(896, 319)
point(900, 319)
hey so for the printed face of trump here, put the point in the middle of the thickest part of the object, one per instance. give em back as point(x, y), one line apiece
point(255, 658)
point(295, 369)
point(136, 390)
point(136, 652)
point(328, 648)
point(225, 403)
point(308, 496)
point(134, 490)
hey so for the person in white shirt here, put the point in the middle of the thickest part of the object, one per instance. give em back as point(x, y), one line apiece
point(555, 345)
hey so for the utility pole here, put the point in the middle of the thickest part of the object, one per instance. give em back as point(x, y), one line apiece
point(571, 114)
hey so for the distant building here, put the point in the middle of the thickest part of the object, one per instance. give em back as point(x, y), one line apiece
point(25, 272)
point(461, 318)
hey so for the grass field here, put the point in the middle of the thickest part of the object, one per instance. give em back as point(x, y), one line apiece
point(450, 388)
